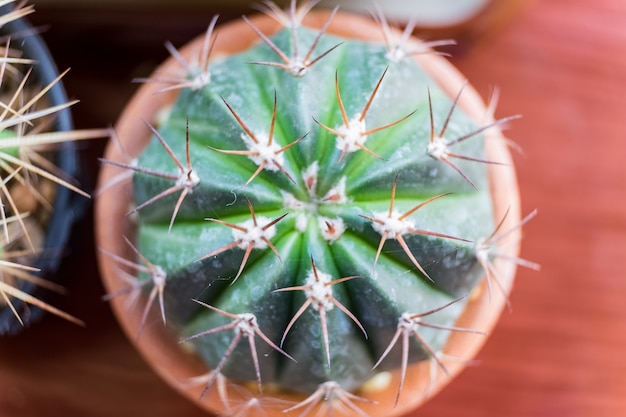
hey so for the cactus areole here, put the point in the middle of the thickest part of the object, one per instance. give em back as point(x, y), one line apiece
point(311, 218)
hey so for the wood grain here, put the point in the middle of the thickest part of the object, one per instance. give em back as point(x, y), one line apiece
point(560, 352)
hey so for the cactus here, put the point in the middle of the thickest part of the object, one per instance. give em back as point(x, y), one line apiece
point(311, 212)
point(36, 165)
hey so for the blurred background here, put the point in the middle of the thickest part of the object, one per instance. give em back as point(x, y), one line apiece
point(559, 63)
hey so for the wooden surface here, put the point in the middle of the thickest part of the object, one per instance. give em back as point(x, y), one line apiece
point(560, 352)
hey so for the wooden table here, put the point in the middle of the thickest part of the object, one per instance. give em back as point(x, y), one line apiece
point(561, 64)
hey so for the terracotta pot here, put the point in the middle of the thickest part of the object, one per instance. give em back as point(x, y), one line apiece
point(160, 347)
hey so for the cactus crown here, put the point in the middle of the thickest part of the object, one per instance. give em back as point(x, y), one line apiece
point(318, 197)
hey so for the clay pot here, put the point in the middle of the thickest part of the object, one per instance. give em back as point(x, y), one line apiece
point(161, 349)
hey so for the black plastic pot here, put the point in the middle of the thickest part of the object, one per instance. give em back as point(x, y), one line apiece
point(68, 206)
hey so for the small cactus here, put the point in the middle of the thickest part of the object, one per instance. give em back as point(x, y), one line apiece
point(311, 212)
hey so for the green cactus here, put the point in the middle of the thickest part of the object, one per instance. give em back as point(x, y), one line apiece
point(317, 197)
